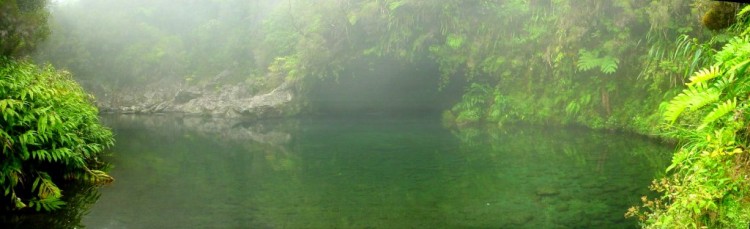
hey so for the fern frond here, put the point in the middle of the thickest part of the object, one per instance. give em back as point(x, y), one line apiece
point(608, 64)
point(48, 204)
point(45, 188)
point(693, 98)
point(704, 75)
point(718, 112)
point(743, 11)
point(590, 60)
point(675, 107)
point(587, 60)
point(724, 82)
point(98, 177)
point(739, 68)
point(701, 97)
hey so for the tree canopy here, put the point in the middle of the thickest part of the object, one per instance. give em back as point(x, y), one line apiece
point(23, 25)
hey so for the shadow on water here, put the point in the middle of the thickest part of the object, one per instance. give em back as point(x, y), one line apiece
point(79, 198)
point(368, 172)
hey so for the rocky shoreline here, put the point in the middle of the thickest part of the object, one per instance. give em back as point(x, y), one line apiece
point(232, 101)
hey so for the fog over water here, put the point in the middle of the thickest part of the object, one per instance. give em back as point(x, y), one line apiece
point(390, 113)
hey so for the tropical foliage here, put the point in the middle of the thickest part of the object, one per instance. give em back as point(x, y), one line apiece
point(708, 185)
point(49, 133)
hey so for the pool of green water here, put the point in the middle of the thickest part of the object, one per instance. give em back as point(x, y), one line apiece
point(369, 172)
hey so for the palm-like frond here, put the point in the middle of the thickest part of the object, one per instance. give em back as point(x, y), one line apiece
point(590, 60)
point(587, 60)
point(693, 98)
point(724, 82)
point(47, 204)
point(718, 112)
point(608, 64)
point(704, 75)
point(45, 188)
point(702, 98)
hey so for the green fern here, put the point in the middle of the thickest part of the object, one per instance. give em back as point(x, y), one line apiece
point(48, 194)
point(739, 68)
point(608, 64)
point(694, 97)
point(455, 41)
point(704, 98)
point(44, 187)
point(590, 60)
point(587, 60)
point(704, 75)
point(48, 204)
point(734, 52)
point(724, 82)
point(720, 111)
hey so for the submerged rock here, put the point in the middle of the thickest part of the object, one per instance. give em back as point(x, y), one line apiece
point(547, 191)
point(519, 219)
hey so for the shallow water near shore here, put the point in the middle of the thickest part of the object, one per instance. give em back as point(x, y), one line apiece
point(369, 172)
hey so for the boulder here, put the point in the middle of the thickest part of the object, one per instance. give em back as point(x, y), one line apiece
point(233, 101)
point(184, 96)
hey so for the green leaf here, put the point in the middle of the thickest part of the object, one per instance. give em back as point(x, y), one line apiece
point(454, 41)
point(395, 5)
point(608, 64)
point(718, 112)
point(704, 75)
point(590, 60)
point(587, 60)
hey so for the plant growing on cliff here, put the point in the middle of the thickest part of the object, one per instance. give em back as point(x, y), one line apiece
point(707, 186)
point(473, 104)
point(49, 133)
point(588, 60)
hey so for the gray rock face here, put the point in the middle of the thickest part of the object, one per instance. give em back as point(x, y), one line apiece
point(211, 99)
point(185, 96)
point(231, 100)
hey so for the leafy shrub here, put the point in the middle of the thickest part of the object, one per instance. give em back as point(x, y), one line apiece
point(708, 186)
point(473, 104)
point(590, 60)
point(23, 25)
point(49, 133)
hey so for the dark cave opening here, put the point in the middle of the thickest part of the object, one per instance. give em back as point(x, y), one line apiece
point(385, 87)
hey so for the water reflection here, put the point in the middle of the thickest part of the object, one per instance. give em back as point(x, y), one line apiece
point(78, 197)
point(177, 172)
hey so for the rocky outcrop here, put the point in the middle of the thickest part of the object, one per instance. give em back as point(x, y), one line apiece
point(212, 99)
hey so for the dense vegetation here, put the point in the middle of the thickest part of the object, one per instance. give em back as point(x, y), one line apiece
point(601, 64)
point(538, 61)
point(23, 25)
point(49, 130)
point(708, 185)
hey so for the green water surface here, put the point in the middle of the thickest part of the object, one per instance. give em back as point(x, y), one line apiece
point(369, 172)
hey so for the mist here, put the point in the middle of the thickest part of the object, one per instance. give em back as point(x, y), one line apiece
point(473, 113)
